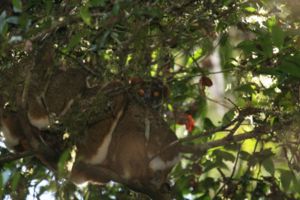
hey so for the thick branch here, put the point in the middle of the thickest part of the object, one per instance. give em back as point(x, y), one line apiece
point(98, 174)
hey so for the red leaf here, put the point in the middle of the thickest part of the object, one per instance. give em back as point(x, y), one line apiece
point(205, 81)
point(190, 123)
point(187, 120)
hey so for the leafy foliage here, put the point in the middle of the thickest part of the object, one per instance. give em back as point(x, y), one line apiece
point(250, 151)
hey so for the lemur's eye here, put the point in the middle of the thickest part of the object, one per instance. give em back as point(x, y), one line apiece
point(141, 92)
point(156, 93)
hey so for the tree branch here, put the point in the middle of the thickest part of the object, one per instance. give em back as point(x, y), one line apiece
point(14, 156)
point(236, 121)
point(224, 141)
point(99, 173)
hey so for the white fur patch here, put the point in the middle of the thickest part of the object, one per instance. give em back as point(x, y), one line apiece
point(82, 184)
point(147, 128)
point(101, 151)
point(41, 123)
point(157, 163)
point(79, 180)
point(101, 154)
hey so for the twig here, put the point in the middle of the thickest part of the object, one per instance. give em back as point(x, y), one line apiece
point(217, 102)
point(14, 156)
point(224, 141)
point(236, 162)
point(235, 128)
point(234, 104)
point(225, 180)
point(43, 33)
point(80, 63)
point(198, 136)
point(180, 9)
point(238, 120)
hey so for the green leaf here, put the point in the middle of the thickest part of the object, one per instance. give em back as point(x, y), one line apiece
point(244, 155)
point(224, 155)
point(13, 20)
point(296, 183)
point(17, 4)
point(153, 12)
point(290, 68)
point(49, 6)
point(2, 185)
point(267, 46)
point(247, 46)
point(61, 165)
point(247, 88)
point(74, 41)
point(268, 164)
point(286, 178)
point(208, 165)
point(228, 117)
point(3, 22)
point(268, 71)
point(250, 9)
point(208, 124)
point(86, 15)
point(15, 180)
point(104, 38)
point(116, 9)
point(271, 22)
point(278, 36)
point(266, 153)
point(96, 3)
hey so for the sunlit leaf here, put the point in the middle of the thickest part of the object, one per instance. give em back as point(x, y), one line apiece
point(271, 22)
point(224, 155)
point(268, 164)
point(286, 178)
point(64, 158)
point(250, 9)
